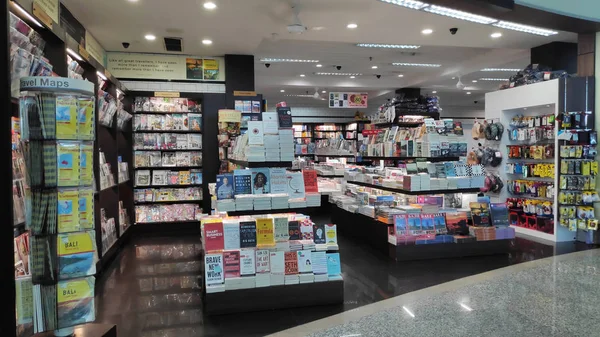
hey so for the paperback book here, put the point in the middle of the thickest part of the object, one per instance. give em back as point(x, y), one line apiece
point(247, 234)
point(247, 262)
point(319, 234)
point(291, 263)
point(279, 182)
point(265, 232)
point(310, 181)
point(224, 186)
point(213, 236)
point(232, 263)
point(262, 261)
point(213, 273)
point(242, 182)
point(304, 261)
point(334, 267)
point(231, 231)
point(260, 181)
point(294, 230)
point(277, 261)
point(295, 185)
point(281, 229)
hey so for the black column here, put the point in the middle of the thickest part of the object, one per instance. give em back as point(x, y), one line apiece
point(239, 75)
point(556, 55)
point(409, 92)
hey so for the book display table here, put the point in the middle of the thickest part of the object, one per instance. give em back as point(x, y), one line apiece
point(361, 227)
point(448, 250)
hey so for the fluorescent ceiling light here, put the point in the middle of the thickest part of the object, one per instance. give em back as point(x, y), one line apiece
point(493, 79)
point(466, 307)
point(407, 3)
point(373, 67)
point(324, 91)
point(102, 76)
point(352, 76)
point(524, 28)
point(74, 54)
point(210, 5)
point(268, 59)
point(400, 75)
point(496, 35)
point(501, 69)
point(430, 65)
point(434, 92)
point(281, 90)
point(339, 74)
point(150, 37)
point(206, 41)
point(352, 25)
point(474, 81)
point(393, 46)
point(453, 13)
point(319, 65)
point(426, 31)
point(468, 92)
point(306, 96)
point(302, 75)
point(26, 14)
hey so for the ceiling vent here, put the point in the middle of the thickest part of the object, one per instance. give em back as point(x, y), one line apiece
point(174, 44)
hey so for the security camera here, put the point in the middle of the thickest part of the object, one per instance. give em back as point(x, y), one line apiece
point(453, 31)
point(267, 65)
point(338, 67)
point(475, 102)
point(378, 76)
point(125, 44)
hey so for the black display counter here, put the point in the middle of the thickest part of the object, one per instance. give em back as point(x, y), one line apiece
point(448, 250)
point(361, 227)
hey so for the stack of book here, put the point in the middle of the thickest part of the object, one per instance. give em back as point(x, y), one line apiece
point(319, 266)
point(262, 202)
point(505, 233)
point(297, 203)
point(286, 144)
point(271, 143)
point(295, 245)
point(263, 279)
point(236, 283)
point(279, 201)
point(282, 246)
point(255, 153)
point(226, 205)
point(483, 233)
point(244, 202)
point(313, 199)
point(308, 245)
point(277, 261)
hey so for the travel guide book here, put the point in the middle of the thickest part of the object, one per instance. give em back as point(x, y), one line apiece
point(75, 301)
point(77, 255)
point(480, 214)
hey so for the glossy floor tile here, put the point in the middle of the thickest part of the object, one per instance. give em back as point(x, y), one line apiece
point(151, 307)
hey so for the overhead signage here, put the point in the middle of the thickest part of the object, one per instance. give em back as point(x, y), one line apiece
point(94, 48)
point(170, 94)
point(39, 13)
point(165, 67)
point(49, 7)
point(347, 100)
point(71, 25)
point(244, 93)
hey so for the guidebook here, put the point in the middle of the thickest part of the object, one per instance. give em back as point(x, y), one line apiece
point(76, 254)
point(75, 301)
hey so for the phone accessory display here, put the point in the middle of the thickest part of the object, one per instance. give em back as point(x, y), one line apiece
point(538, 189)
point(493, 183)
point(531, 170)
point(493, 130)
point(532, 214)
point(530, 151)
point(577, 120)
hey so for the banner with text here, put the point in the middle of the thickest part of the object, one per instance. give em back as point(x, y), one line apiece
point(166, 67)
point(347, 100)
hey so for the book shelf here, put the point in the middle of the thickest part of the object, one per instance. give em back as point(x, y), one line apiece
point(257, 164)
point(427, 192)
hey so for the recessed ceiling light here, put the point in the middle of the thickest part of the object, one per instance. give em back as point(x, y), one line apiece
point(496, 35)
point(352, 76)
point(352, 25)
point(268, 59)
point(434, 92)
point(407, 3)
point(374, 67)
point(324, 91)
point(302, 75)
point(453, 13)
point(401, 75)
point(282, 90)
point(524, 28)
point(501, 69)
point(474, 81)
point(339, 74)
point(210, 5)
point(493, 79)
point(453, 78)
point(468, 92)
point(206, 41)
point(430, 65)
point(150, 37)
point(319, 65)
point(427, 31)
point(391, 46)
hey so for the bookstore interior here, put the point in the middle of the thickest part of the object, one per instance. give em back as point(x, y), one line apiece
point(125, 163)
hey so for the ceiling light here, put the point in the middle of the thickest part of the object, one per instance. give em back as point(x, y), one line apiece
point(391, 46)
point(501, 69)
point(352, 25)
point(400, 75)
point(524, 28)
point(474, 81)
point(302, 75)
point(434, 92)
point(427, 31)
point(288, 60)
point(150, 37)
point(282, 90)
point(324, 91)
point(352, 76)
point(206, 41)
point(373, 67)
point(493, 79)
point(407, 3)
point(339, 74)
point(430, 65)
point(26, 14)
point(74, 54)
point(453, 78)
point(496, 35)
point(468, 92)
point(453, 13)
point(133, 0)
point(306, 96)
point(319, 65)
point(102, 76)
point(210, 5)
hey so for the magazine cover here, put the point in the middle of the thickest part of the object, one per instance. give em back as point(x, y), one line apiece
point(76, 254)
point(457, 223)
point(224, 186)
point(261, 181)
point(480, 214)
point(75, 301)
point(195, 122)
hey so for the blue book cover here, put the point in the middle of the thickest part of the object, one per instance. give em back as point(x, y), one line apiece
point(334, 267)
point(450, 172)
point(242, 182)
point(261, 181)
point(224, 186)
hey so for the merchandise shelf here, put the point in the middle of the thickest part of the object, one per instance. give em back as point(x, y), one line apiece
point(256, 164)
point(429, 192)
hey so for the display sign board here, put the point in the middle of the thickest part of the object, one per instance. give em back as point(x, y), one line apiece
point(49, 7)
point(39, 13)
point(244, 93)
point(347, 100)
point(71, 25)
point(367, 133)
point(170, 94)
point(94, 48)
point(166, 67)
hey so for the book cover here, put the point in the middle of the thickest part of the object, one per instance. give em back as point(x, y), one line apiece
point(195, 122)
point(331, 234)
point(159, 177)
point(439, 222)
point(194, 141)
point(304, 261)
point(457, 223)
point(68, 210)
point(262, 261)
point(75, 301)
point(319, 262)
point(213, 269)
point(277, 261)
point(414, 224)
point(294, 230)
point(24, 299)
point(427, 223)
point(66, 117)
point(256, 107)
point(291, 263)
point(242, 182)
point(284, 115)
point(261, 181)
point(85, 117)
point(334, 266)
point(458, 129)
point(86, 163)
point(247, 262)
point(499, 213)
point(295, 185)
point(480, 214)
point(68, 163)
point(224, 186)
point(86, 208)
point(239, 105)
point(279, 182)
point(310, 181)
point(265, 236)
point(247, 234)
point(213, 236)
point(76, 254)
point(401, 224)
point(231, 234)
point(306, 230)
point(247, 107)
point(319, 234)
point(232, 263)
point(255, 133)
point(281, 229)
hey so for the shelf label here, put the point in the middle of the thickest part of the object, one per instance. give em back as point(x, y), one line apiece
point(170, 94)
point(84, 53)
point(41, 14)
point(244, 93)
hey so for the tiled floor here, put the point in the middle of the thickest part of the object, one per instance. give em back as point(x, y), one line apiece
point(369, 277)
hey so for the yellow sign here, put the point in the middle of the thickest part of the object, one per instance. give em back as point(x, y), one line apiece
point(74, 290)
point(49, 7)
point(170, 94)
point(229, 116)
point(94, 48)
point(107, 73)
point(84, 53)
point(244, 93)
point(42, 15)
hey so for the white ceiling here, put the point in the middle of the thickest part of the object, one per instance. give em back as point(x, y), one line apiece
point(248, 27)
